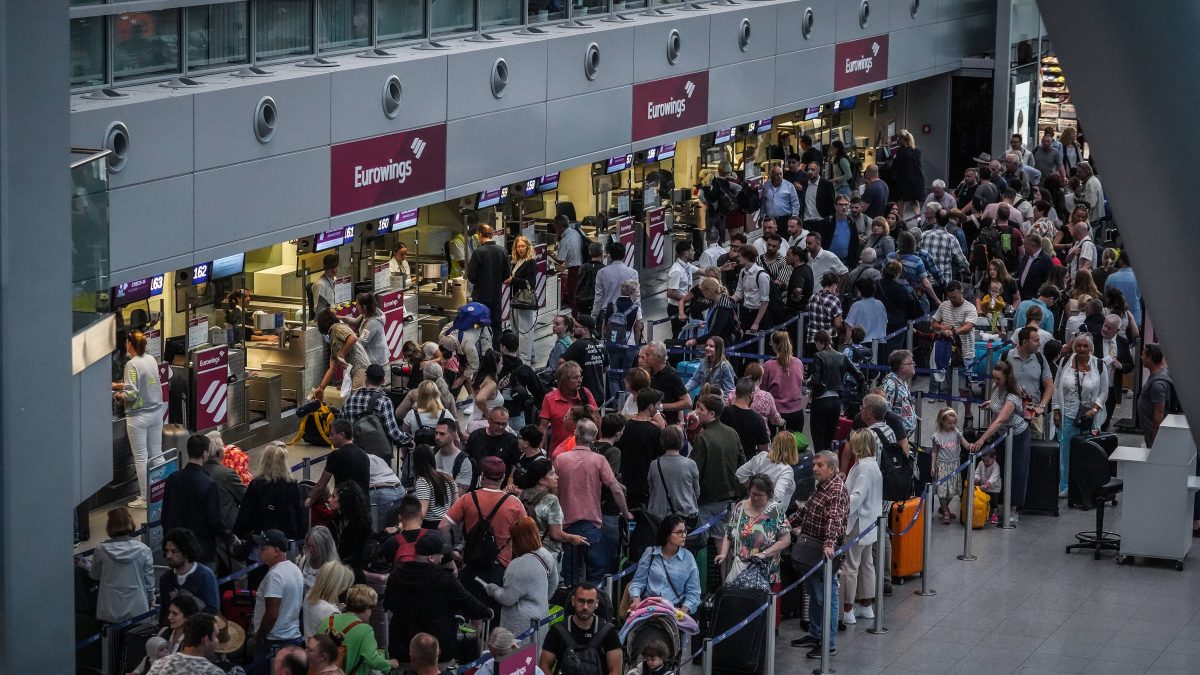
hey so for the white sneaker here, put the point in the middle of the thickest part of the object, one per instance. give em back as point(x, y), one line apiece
point(848, 618)
point(864, 612)
point(139, 503)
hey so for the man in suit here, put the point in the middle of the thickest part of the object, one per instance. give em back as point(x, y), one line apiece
point(1035, 268)
point(816, 197)
point(1113, 348)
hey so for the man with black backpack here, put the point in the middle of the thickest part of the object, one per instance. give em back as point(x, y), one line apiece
point(583, 644)
point(487, 516)
point(369, 410)
point(1158, 398)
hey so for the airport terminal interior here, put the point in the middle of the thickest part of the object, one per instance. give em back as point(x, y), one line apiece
point(595, 337)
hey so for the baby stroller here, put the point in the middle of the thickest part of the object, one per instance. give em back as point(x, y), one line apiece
point(652, 619)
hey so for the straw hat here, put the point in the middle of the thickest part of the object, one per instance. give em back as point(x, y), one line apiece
point(231, 637)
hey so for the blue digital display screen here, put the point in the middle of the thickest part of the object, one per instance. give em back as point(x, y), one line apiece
point(227, 266)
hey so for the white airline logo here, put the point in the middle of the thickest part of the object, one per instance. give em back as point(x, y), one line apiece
point(397, 171)
point(864, 63)
point(674, 107)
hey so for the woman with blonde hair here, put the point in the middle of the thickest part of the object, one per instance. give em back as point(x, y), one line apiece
point(864, 484)
point(714, 368)
point(881, 241)
point(783, 379)
point(363, 655)
point(775, 463)
point(523, 281)
point(428, 409)
point(273, 500)
point(721, 318)
point(322, 601)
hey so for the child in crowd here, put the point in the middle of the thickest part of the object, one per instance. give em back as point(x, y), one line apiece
point(654, 660)
point(992, 305)
point(945, 445)
point(987, 477)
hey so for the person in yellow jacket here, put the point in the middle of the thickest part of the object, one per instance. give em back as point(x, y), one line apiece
point(353, 629)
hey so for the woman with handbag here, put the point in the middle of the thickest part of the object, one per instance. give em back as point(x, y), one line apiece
point(755, 530)
point(864, 484)
point(524, 295)
point(668, 570)
point(1080, 391)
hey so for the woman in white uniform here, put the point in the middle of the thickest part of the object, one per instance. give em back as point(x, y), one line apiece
point(141, 394)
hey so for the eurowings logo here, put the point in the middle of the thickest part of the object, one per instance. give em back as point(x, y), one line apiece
point(214, 400)
point(418, 147)
point(874, 49)
point(690, 88)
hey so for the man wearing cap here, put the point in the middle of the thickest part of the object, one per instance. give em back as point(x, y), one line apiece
point(198, 648)
point(424, 597)
point(487, 270)
point(347, 462)
point(323, 287)
point(498, 507)
point(370, 399)
point(277, 602)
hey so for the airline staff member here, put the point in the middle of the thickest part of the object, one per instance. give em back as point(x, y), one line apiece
point(398, 264)
point(322, 288)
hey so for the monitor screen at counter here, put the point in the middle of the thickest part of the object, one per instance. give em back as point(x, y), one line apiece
point(489, 198)
point(333, 238)
point(812, 113)
point(849, 102)
point(404, 220)
point(763, 126)
point(666, 151)
point(140, 289)
point(724, 136)
point(548, 182)
point(887, 93)
point(228, 266)
point(619, 163)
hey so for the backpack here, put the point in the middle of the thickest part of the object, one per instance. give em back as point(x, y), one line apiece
point(372, 554)
point(587, 659)
point(315, 419)
point(619, 324)
point(340, 639)
point(748, 200)
point(424, 435)
point(370, 434)
point(585, 244)
point(481, 548)
point(721, 199)
point(408, 549)
point(1172, 406)
point(475, 470)
point(897, 469)
point(1010, 243)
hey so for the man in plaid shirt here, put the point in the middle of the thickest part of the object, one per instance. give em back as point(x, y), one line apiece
point(943, 249)
point(372, 399)
point(823, 517)
point(825, 308)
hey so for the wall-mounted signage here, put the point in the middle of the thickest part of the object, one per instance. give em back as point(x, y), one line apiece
point(724, 136)
point(860, 62)
point(387, 168)
point(669, 105)
point(228, 266)
point(140, 289)
point(618, 163)
point(212, 387)
point(333, 238)
point(492, 197)
point(812, 113)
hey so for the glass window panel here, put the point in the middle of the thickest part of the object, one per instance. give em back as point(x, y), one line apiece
point(547, 10)
point(587, 7)
point(218, 35)
point(86, 2)
point(345, 23)
point(282, 28)
point(623, 5)
point(400, 19)
point(145, 43)
point(87, 51)
point(452, 16)
point(496, 13)
point(659, 3)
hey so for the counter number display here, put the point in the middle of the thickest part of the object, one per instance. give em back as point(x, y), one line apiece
point(724, 136)
point(140, 289)
point(619, 163)
point(200, 273)
point(489, 198)
point(887, 93)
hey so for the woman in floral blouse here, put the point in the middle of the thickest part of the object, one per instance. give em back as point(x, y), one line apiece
point(755, 530)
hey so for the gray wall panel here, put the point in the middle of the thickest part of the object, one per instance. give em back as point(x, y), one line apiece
point(928, 102)
point(150, 222)
point(357, 98)
point(964, 37)
point(94, 389)
point(724, 30)
point(484, 147)
point(225, 120)
point(912, 50)
point(237, 202)
point(160, 136)
point(803, 75)
point(848, 27)
point(741, 89)
point(565, 55)
point(953, 9)
point(469, 74)
point(120, 276)
point(650, 46)
point(269, 239)
point(902, 15)
point(790, 21)
point(585, 124)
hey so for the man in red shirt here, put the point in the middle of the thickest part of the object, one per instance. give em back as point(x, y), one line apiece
point(501, 509)
point(581, 474)
point(556, 406)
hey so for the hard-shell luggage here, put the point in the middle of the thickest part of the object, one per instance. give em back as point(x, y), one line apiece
point(979, 511)
point(686, 369)
point(237, 605)
point(924, 468)
point(907, 553)
point(379, 616)
point(1042, 494)
point(802, 473)
point(844, 425)
point(741, 652)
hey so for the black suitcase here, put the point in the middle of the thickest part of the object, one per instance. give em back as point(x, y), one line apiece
point(1042, 494)
point(741, 652)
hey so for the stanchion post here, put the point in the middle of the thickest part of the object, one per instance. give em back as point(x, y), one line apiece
point(908, 337)
point(771, 604)
point(306, 469)
point(536, 625)
point(881, 533)
point(762, 342)
point(608, 588)
point(829, 618)
point(927, 544)
point(875, 352)
point(1006, 522)
point(708, 656)
point(953, 378)
point(800, 334)
point(969, 505)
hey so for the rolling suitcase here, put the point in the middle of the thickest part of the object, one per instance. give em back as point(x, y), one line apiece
point(1042, 494)
point(844, 425)
point(379, 616)
point(907, 552)
point(741, 652)
point(238, 606)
